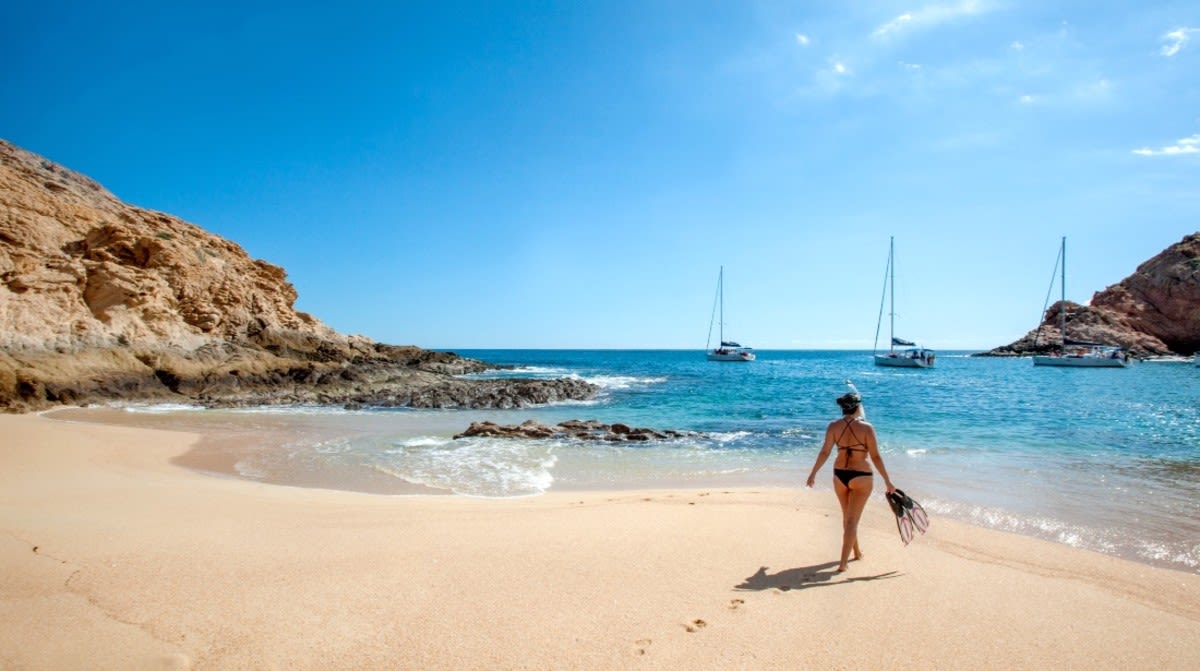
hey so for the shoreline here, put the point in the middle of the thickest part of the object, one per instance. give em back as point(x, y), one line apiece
point(113, 557)
point(282, 449)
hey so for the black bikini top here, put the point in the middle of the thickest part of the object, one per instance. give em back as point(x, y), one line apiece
point(860, 446)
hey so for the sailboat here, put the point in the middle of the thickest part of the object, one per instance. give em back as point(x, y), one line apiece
point(727, 350)
point(910, 355)
point(1076, 353)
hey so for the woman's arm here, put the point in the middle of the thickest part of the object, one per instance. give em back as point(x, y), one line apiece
point(876, 458)
point(822, 455)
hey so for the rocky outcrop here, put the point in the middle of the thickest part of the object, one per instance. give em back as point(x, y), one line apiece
point(575, 428)
point(101, 300)
point(1161, 300)
point(1153, 312)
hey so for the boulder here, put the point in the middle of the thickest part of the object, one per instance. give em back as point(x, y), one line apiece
point(575, 429)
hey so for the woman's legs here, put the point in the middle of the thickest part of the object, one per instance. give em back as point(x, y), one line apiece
point(853, 499)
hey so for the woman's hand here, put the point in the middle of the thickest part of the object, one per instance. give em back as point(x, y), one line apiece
point(811, 479)
point(890, 487)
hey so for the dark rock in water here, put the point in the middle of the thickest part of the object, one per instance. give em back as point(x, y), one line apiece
point(574, 428)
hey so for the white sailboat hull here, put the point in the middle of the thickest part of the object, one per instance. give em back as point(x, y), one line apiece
point(903, 360)
point(735, 355)
point(1084, 361)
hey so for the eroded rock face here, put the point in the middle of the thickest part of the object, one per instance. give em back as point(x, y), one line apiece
point(1162, 298)
point(1153, 312)
point(81, 268)
point(101, 300)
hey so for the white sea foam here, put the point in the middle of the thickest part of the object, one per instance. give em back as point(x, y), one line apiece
point(292, 410)
point(620, 382)
point(1162, 552)
point(160, 408)
point(537, 372)
point(334, 446)
point(724, 438)
point(482, 467)
point(1096, 539)
point(800, 433)
point(247, 470)
point(424, 441)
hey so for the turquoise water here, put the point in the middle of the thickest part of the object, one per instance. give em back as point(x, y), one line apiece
point(1103, 459)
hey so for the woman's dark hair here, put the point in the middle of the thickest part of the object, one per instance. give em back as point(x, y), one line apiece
point(849, 402)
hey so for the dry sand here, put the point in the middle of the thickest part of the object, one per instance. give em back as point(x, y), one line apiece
point(113, 558)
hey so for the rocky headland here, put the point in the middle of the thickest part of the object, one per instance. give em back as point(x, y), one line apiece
point(102, 301)
point(1155, 312)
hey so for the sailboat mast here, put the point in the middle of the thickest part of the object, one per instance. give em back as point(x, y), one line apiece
point(1062, 304)
point(721, 293)
point(892, 288)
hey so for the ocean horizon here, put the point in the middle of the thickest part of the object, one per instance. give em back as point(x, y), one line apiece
point(1106, 460)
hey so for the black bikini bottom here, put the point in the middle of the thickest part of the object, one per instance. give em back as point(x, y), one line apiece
point(846, 475)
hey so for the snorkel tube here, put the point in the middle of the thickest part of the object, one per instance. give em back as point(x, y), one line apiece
point(862, 412)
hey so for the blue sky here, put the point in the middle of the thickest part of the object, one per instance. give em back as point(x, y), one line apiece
point(573, 174)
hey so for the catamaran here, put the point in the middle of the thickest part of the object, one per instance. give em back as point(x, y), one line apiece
point(728, 350)
point(910, 355)
point(1076, 353)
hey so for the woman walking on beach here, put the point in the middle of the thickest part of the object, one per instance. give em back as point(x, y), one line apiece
point(852, 476)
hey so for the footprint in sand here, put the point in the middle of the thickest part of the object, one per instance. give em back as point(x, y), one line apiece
point(640, 646)
point(734, 604)
point(695, 626)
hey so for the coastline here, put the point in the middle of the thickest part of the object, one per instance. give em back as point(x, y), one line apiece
point(114, 557)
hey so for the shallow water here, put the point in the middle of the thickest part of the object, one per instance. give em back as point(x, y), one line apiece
point(1103, 459)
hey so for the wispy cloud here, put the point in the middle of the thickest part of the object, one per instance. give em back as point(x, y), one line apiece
point(1188, 145)
point(1176, 39)
point(802, 39)
point(929, 17)
point(894, 26)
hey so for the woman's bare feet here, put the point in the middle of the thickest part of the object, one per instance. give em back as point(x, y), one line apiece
point(841, 568)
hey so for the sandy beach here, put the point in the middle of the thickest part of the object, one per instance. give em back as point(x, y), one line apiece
point(111, 557)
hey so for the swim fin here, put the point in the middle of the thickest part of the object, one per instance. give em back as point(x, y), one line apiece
point(909, 515)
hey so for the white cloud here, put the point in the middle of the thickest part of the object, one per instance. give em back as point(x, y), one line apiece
point(1016, 46)
point(802, 39)
point(930, 16)
point(839, 68)
point(1188, 145)
point(1027, 99)
point(893, 26)
point(1176, 39)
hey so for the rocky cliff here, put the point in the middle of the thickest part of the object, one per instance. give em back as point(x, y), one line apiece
point(1153, 312)
point(101, 300)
